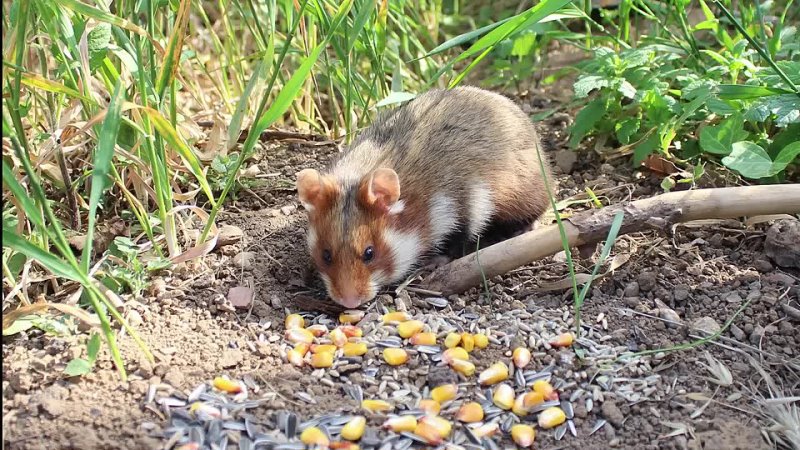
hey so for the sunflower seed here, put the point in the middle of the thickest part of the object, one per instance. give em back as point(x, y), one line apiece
point(599, 424)
point(561, 430)
point(571, 426)
point(437, 302)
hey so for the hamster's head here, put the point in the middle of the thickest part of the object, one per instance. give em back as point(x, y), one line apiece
point(347, 231)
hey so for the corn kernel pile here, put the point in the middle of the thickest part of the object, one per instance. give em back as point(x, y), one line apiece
point(319, 347)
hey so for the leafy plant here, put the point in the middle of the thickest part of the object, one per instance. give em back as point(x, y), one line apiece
point(80, 366)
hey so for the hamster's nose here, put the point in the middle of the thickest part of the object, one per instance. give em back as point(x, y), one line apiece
point(351, 302)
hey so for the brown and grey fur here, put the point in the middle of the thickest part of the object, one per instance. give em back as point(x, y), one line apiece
point(460, 161)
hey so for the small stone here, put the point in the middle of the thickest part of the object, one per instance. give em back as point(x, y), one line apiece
point(756, 335)
point(565, 160)
point(632, 289)
point(631, 302)
point(762, 265)
point(782, 243)
point(244, 260)
point(134, 318)
point(733, 297)
point(275, 301)
point(229, 234)
point(231, 358)
point(174, 377)
point(612, 413)
point(680, 292)
point(241, 297)
point(647, 281)
point(288, 210)
point(607, 168)
point(706, 324)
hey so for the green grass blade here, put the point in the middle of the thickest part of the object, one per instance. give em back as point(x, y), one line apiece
point(235, 127)
point(464, 38)
point(747, 92)
point(616, 224)
point(38, 82)
point(172, 58)
point(51, 262)
point(101, 167)
point(170, 134)
point(31, 211)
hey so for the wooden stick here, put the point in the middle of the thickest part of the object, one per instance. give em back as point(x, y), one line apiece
point(659, 212)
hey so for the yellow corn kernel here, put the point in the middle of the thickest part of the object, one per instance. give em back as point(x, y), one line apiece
point(295, 358)
point(352, 316)
point(226, 385)
point(486, 430)
point(465, 368)
point(545, 388)
point(322, 360)
point(503, 396)
point(342, 445)
point(354, 349)
point(323, 348)
point(467, 341)
point(423, 339)
point(409, 328)
point(523, 435)
point(294, 321)
point(338, 337)
point(532, 399)
point(318, 330)
point(302, 348)
point(444, 393)
point(430, 406)
point(395, 356)
point(452, 339)
point(433, 429)
point(519, 406)
point(562, 340)
point(400, 424)
point(354, 429)
point(551, 417)
point(521, 357)
point(376, 405)
point(470, 412)
point(396, 316)
point(481, 340)
point(494, 374)
point(351, 331)
point(314, 436)
point(297, 335)
point(451, 354)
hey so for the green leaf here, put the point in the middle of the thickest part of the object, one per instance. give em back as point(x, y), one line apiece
point(23, 323)
point(101, 169)
point(646, 148)
point(78, 367)
point(667, 184)
point(92, 347)
point(395, 97)
point(787, 156)
point(627, 128)
point(747, 92)
point(586, 119)
point(586, 84)
point(750, 160)
point(719, 139)
point(466, 37)
point(53, 263)
point(97, 41)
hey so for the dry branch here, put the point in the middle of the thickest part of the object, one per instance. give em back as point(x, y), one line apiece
point(659, 212)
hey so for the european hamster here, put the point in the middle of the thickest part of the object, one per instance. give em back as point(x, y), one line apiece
point(448, 163)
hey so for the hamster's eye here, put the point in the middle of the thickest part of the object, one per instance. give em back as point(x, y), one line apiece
point(326, 256)
point(369, 253)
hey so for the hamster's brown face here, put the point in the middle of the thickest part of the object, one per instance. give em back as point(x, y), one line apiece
point(346, 235)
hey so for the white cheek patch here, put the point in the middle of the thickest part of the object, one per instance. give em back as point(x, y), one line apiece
point(327, 280)
point(405, 249)
point(443, 217)
point(398, 207)
point(481, 209)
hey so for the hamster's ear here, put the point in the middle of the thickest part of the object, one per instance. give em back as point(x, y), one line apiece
point(313, 189)
point(381, 189)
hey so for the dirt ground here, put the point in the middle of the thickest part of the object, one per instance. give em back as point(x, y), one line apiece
point(700, 276)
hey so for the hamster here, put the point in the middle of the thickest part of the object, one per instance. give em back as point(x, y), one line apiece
point(450, 163)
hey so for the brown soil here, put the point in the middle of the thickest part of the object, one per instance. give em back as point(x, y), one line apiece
point(702, 272)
